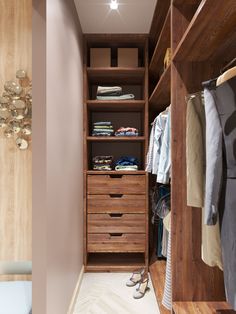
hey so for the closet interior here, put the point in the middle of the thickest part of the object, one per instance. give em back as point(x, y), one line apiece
point(116, 217)
point(186, 46)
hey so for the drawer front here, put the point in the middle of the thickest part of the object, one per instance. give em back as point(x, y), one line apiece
point(115, 242)
point(116, 184)
point(116, 203)
point(116, 223)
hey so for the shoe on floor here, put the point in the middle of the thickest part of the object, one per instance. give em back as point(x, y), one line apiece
point(142, 288)
point(135, 278)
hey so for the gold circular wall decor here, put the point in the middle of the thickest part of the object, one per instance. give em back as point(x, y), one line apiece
point(16, 110)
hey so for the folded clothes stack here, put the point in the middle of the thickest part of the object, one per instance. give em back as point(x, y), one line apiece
point(103, 128)
point(127, 163)
point(112, 93)
point(127, 132)
point(102, 163)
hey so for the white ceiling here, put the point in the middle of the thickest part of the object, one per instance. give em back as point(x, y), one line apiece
point(132, 16)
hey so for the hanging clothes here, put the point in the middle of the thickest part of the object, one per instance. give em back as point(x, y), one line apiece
point(159, 154)
point(167, 297)
point(196, 167)
point(163, 173)
point(221, 175)
point(154, 151)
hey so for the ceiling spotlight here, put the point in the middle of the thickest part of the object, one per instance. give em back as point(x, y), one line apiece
point(114, 5)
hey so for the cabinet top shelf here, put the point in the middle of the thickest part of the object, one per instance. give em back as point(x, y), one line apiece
point(116, 75)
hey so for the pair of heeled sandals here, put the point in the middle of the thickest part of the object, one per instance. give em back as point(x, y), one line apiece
point(139, 277)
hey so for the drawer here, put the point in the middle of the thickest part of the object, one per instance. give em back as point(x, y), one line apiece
point(116, 242)
point(116, 184)
point(116, 223)
point(116, 203)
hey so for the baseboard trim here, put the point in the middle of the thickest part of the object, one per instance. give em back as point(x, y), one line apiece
point(76, 292)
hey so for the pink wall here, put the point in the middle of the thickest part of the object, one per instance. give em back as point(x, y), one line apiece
point(39, 158)
point(58, 187)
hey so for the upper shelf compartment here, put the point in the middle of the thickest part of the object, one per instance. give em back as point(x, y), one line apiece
point(210, 33)
point(156, 64)
point(116, 75)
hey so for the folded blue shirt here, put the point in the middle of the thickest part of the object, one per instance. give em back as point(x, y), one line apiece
point(127, 161)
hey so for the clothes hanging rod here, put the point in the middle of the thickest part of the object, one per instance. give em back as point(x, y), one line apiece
point(228, 65)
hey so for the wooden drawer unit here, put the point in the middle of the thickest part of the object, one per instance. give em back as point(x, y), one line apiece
point(116, 184)
point(119, 223)
point(116, 203)
point(116, 242)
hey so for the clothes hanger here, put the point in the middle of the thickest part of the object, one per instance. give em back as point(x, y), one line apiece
point(227, 75)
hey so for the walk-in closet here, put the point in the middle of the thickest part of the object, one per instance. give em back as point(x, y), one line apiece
point(118, 139)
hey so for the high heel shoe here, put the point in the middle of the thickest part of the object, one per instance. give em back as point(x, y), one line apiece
point(142, 288)
point(135, 278)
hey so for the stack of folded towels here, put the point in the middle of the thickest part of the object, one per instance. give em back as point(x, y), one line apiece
point(127, 163)
point(128, 131)
point(112, 93)
point(103, 128)
point(102, 163)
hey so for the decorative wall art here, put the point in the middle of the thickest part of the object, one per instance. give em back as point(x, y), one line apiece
point(16, 110)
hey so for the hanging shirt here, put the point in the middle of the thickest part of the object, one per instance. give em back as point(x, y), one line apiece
point(163, 173)
point(155, 143)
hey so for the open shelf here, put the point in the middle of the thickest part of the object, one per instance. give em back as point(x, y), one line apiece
point(157, 61)
point(116, 138)
point(115, 74)
point(161, 94)
point(158, 21)
point(115, 261)
point(121, 105)
point(209, 34)
point(116, 172)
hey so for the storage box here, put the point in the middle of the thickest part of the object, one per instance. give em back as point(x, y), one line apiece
point(128, 57)
point(100, 57)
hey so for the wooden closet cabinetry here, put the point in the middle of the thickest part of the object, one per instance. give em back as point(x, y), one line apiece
point(116, 202)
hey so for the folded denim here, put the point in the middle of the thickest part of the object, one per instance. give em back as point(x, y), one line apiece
point(101, 134)
point(109, 90)
point(102, 123)
point(126, 168)
point(126, 134)
point(121, 97)
point(127, 161)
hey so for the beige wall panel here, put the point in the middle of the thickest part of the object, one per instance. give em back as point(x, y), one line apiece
point(15, 173)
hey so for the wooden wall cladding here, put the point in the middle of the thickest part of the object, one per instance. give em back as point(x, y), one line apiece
point(15, 174)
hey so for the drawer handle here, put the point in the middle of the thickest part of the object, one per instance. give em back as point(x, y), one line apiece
point(112, 176)
point(116, 195)
point(116, 235)
point(113, 215)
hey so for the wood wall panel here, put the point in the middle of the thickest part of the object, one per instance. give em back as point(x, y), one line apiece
point(192, 280)
point(15, 173)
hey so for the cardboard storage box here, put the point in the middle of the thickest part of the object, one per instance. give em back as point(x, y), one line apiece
point(128, 57)
point(100, 57)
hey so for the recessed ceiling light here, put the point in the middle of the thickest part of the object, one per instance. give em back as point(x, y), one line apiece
point(114, 5)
